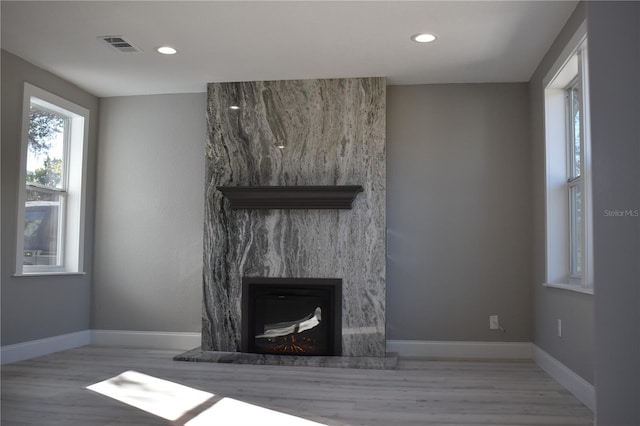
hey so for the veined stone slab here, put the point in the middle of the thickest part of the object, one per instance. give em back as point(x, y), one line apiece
point(332, 133)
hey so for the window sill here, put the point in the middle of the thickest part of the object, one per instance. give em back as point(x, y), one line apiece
point(570, 287)
point(46, 273)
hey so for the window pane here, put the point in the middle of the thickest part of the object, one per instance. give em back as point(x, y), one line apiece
point(577, 143)
point(575, 219)
point(45, 150)
point(42, 230)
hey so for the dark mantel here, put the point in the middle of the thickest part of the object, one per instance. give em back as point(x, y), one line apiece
point(291, 197)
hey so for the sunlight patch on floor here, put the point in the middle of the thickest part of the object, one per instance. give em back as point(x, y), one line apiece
point(173, 401)
point(162, 398)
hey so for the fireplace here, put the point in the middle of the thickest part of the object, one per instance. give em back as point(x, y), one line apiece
point(286, 316)
point(278, 229)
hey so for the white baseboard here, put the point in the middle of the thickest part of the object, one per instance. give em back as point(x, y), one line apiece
point(460, 350)
point(146, 339)
point(579, 387)
point(40, 347)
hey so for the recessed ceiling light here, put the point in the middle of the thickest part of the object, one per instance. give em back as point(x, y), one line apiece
point(166, 50)
point(234, 107)
point(423, 38)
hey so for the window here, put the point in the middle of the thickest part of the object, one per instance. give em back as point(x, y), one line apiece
point(51, 193)
point(574, 176)
point(568, 188)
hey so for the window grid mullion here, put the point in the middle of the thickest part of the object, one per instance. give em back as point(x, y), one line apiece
point(46, 189)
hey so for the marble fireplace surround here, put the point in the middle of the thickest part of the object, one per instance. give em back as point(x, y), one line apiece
point(333, 132)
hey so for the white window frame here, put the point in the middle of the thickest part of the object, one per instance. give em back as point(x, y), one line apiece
point(71, 243)
point(560, 247)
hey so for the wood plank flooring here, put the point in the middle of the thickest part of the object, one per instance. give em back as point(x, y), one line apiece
point(51, 390)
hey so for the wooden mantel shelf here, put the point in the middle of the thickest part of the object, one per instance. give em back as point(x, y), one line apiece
point(291, 197)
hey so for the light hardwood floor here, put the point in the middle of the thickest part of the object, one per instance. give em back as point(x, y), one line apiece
point(51, 390)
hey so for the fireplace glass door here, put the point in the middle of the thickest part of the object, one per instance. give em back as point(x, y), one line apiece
point(292, 317)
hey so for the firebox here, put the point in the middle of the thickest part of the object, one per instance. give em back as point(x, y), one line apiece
point(291, 316)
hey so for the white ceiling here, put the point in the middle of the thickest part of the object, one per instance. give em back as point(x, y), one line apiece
point(264, 40)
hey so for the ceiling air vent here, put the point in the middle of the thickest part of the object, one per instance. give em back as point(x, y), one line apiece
point(119, 43)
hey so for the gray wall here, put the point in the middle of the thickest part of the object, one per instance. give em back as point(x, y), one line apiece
point(149, 220)
point(614, 65)
point(576, 347)
point(458, 212)
point(37, 307)
point(440, 139)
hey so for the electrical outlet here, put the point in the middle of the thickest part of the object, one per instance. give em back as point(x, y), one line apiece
point(494, 323)
point(559, 328)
